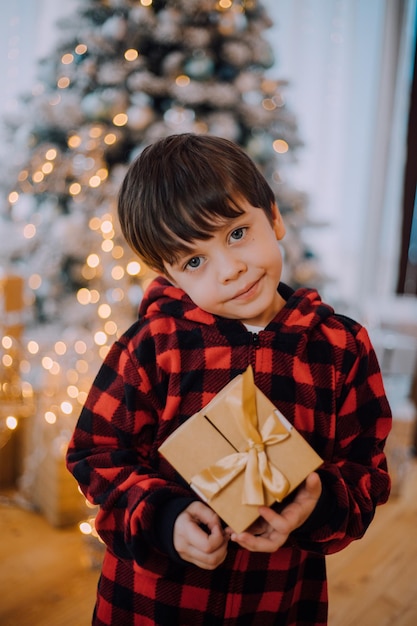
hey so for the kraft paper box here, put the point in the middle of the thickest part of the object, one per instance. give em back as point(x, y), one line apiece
point(239, 452)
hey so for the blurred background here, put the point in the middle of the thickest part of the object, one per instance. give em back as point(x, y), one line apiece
point(320, 93)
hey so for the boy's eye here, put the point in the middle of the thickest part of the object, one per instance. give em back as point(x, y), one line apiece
point(193, 263)
point(238, 233)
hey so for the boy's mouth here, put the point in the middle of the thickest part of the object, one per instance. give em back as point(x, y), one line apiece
point(247, 291)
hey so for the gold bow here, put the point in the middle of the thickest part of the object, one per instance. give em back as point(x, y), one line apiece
point(259, 472)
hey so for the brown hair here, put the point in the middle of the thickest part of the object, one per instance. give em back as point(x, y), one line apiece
point(178, 188)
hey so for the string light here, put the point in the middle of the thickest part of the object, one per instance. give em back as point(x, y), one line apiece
point(131, 54)
point(74, 189)
point(29, 231)
point(110, 139)
point(81, 49)
point(35, 281)
point(50, 417)
point(74, 141)
point(280, 146)
point(120, 119)
point(133, 268)
point(63, 82)
point(182, 80)
point(11, 422)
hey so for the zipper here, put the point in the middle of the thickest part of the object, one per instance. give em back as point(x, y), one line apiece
point(255, 341)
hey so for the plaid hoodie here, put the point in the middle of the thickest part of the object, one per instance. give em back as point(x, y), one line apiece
point(317, 367)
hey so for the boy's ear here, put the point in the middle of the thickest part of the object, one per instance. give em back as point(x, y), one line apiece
point(277, 222)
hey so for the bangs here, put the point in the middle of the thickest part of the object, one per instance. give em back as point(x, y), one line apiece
point(191, 222)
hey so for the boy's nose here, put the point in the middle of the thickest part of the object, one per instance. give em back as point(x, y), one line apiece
point(229, 267)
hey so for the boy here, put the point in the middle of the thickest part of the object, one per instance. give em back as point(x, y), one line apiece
point(197, 210)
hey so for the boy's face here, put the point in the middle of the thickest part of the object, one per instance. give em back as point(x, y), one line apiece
point(236, 272)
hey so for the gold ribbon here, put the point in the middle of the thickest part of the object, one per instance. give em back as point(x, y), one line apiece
point(259, 472)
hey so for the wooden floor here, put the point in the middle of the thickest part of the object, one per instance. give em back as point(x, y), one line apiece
point(46, 580)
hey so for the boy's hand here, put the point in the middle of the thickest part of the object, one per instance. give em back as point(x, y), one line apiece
point(271, 532)
point(199, 537)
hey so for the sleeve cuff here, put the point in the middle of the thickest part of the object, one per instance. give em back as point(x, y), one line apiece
point(321, 514)
point(164, 527)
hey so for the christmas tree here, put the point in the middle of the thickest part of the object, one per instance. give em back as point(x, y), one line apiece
point(125, 73)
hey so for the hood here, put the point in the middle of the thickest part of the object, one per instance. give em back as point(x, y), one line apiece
point(304, 308)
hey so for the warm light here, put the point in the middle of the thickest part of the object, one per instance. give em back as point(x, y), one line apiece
point(104, 311)
point(82, 366)
point(118, 294)
point(88, 272)
point(75, 189)
point(83, 296)
point(7, 360)
point(35, 281)
point(72, 391)
point(103, 173)
point(80, 347)
point(94, 223)
point(63, 82)
point(67, 58)
point(27, 389)
point(47, 362)
point(51, 154)
point(81, 48)
point(107, 245)
point(95, 132)
point(280, 146)
point(33, 347)
point(225, 4)
point(95, 296)
point(95, 181)
point(146, 3)
point(133, 268)
point(269, 104)
point(55, 369)
point(23, 176)
point(110, 327)
point(85, 528)
point(93, 260)
point(55, 100)
point(110, 139)
point(66, 407)
point(82, 397)
point(106, 226)
point(117, 272)
point(6, 342)
point(13, 197)
point(47, 168)
point(118, 252)
point(120, 119)
point(74, 141)
point(103, 352)
point(38, 177)
point(60, 348)
point(29, 231)
point(11, 422)
point(131, 54)
point(182, 80)
point(50, 417)
point(100, 338)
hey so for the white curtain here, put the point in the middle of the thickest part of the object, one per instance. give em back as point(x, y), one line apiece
point(349, 66)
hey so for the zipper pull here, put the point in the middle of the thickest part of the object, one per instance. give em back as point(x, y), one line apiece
point(255, 340)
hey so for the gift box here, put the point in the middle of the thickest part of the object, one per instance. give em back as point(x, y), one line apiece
point(240, 452)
